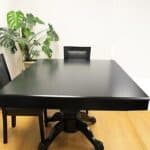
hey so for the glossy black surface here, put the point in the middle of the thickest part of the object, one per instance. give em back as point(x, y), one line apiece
point(55, 84)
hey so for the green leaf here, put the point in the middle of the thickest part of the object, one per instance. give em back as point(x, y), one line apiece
point(47, 51)
point(15, 19)
point(27, 32)
point(8, 38)
point(46, 47)
point(51, 33)
point(32, 20)
point(8, 43)
point(38, 20)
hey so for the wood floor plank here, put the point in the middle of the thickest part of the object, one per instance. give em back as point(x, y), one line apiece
point(141, 123)
point(115, 129)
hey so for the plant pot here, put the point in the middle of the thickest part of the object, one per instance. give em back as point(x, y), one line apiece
point(28, 64)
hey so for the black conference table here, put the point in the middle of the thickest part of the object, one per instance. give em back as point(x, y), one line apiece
point(71, 87)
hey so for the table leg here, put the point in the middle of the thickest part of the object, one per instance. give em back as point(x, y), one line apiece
point(58, 128)
point(90, 120)
point(82, 127)
point(71, 122)
point(56, 117)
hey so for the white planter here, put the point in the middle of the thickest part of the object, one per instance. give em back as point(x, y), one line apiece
point(28, 64)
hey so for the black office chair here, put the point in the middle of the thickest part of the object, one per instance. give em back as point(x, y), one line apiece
point(74, 54)
point(4, 79)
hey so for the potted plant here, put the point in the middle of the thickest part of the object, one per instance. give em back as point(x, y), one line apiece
point(20, 33)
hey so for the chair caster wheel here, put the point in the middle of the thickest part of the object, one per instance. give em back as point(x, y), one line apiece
point(98, 145)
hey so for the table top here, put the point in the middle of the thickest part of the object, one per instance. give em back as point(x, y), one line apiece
point(57, 79)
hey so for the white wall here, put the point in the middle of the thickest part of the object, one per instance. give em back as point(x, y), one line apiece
point(3, 10)
point(118, 29)
point(131, 43)
point(131, 46)
point(78, 22)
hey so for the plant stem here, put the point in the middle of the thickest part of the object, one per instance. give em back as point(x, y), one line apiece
point(37, 34)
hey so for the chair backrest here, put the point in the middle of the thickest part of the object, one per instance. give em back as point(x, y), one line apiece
point(4, 73)
point(77, 53)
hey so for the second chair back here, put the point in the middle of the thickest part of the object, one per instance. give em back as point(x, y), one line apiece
point(76, 52)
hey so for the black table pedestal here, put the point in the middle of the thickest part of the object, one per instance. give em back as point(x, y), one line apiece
point(70, 123)
point(58, 116)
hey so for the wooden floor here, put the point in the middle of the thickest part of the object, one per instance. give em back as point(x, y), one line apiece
point(117, 130)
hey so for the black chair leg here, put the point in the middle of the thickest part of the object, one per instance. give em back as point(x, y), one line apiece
point(45, 117)
point(13, 121)
point(87, 111)
point(41, 126)
point(4, 115)
point(56, 130)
